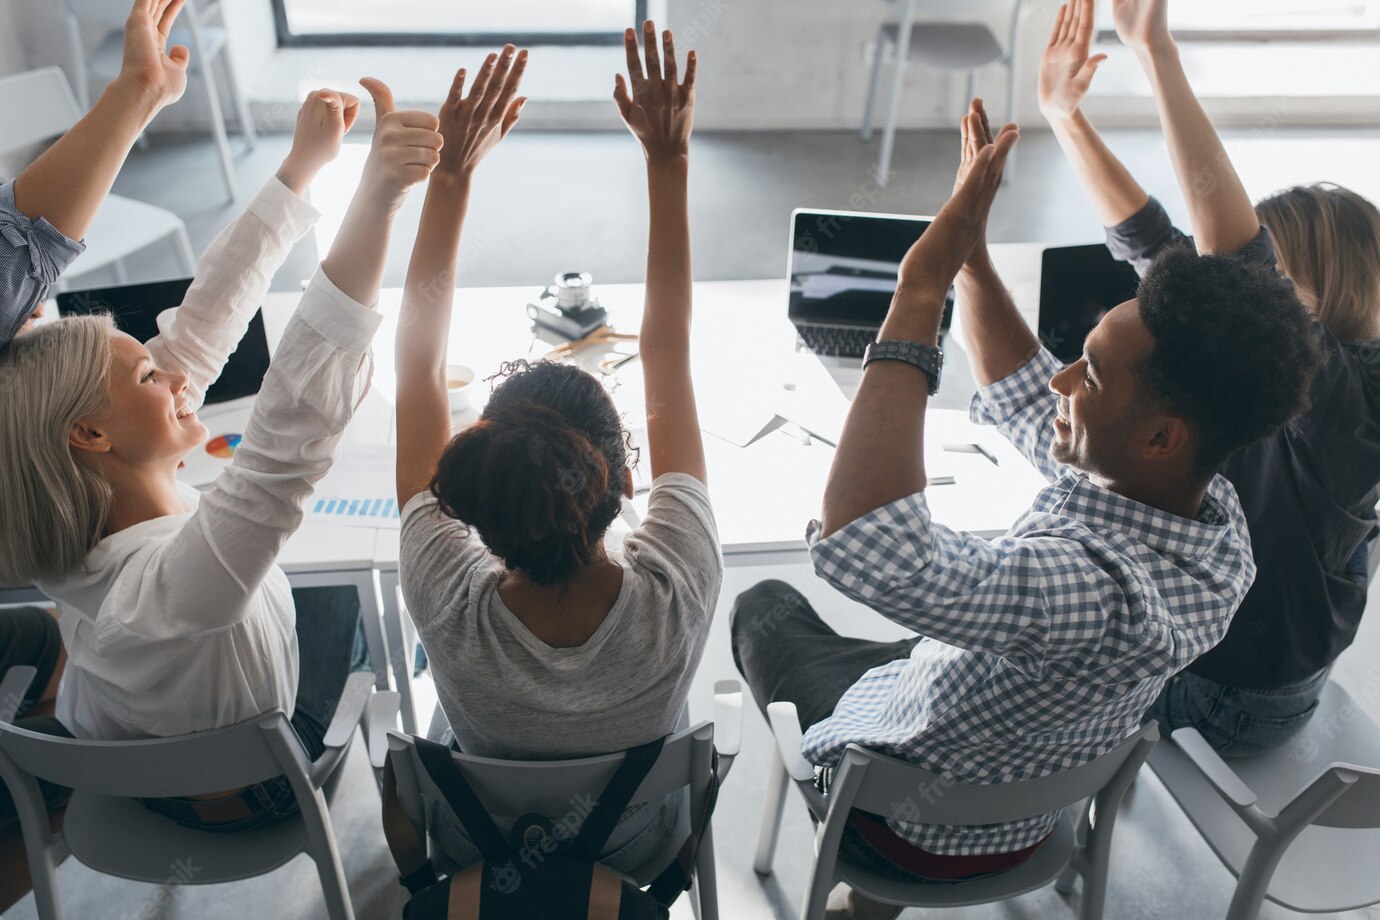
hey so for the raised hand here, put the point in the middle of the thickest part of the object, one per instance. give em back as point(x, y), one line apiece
point(1142, 24)
point(322, 123)
point(407, 146)
point(658, 110)
point(1067, 65)
point(961, 225)
point(149, 64)
point(473, 125)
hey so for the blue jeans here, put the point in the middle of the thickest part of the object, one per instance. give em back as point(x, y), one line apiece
point(1237, 722)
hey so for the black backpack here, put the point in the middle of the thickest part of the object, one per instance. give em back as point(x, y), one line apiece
point(534, 874)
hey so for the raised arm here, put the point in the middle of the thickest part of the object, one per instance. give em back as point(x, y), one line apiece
point(471, 126)
point(995, 335)
point(68, 183)
point(319, 374)
point(234, 273)
point(1066, 72)
point(1223, 218)
point(881, 456)
point(659, 107)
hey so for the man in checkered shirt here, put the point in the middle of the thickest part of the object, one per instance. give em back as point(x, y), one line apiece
point(1041, 650)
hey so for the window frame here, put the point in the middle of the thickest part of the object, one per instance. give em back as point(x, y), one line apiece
point(289, 39)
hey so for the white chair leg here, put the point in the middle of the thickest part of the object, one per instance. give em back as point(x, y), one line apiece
point(773, 804)
point(872, 82)
point(1254, 880)
point(186, 256)
point(1012, 113)
point(1067, 880)
point(240, 101)
point(118, 268)
point(81, 80)
point(402, 654)
point(706, 883)
point(322, 849)
point(217, 115)
point(894, 103)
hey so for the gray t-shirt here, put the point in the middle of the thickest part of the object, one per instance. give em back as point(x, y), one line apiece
point(507, 693)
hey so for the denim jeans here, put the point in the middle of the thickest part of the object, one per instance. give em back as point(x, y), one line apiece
point(1237, 722)
point(327, 621)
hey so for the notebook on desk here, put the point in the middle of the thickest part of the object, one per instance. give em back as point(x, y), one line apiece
point(843, 269)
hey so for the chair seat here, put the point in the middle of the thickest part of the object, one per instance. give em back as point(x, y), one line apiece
point(950, 45)
point(1324, 869)
point(121, 228)
point(1041, 869)
point(105, 60)
point(208, 857)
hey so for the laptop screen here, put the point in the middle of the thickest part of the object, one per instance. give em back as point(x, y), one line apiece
point(1078, 285)
point(843, 264)
point(135, 308)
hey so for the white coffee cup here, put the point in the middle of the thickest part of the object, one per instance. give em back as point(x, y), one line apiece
point(459, 383)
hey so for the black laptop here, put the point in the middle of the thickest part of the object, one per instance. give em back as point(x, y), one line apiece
point(843, 269)
point(135, 308)
point(1078, 285)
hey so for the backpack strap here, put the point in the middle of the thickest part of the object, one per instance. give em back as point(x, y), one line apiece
point(409, 853)
point(600, 823)
point(675, 878)
point(459, 795)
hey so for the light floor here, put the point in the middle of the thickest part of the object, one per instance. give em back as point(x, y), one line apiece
point(550, 202)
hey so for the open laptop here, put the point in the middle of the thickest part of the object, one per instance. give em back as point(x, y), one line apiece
point(1078, 285)
point(135, 308)
point(843, 268)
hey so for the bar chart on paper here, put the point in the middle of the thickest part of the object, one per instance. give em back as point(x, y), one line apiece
point(356, 511)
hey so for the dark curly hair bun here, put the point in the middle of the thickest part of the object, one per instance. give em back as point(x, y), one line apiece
point(540, 475)
point(1235, 351)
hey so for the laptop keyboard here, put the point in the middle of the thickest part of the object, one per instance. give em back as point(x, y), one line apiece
point(836, 341)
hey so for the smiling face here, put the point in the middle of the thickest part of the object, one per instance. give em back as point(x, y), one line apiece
point(1106, 426)
point(148, 422)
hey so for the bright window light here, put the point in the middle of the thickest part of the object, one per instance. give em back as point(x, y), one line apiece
point(457, 17)
point(1269, 16)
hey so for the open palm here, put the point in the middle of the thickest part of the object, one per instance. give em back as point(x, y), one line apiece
point(1067, 66)
point(658, 110)
point(473, 124)
point(1141, 24)
point(147, 58)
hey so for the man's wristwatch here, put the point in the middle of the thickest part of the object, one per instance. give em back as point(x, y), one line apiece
point(926, 357)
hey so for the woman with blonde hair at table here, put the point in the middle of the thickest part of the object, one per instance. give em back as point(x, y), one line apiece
point(544, 642)
point(1310, 490)
point(175, 616)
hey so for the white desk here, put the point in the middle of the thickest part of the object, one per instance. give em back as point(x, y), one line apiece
point(745, 365)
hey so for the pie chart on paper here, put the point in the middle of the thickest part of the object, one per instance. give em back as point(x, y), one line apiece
point(223, 446)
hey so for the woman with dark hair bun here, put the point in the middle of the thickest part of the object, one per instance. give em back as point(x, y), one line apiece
point(544, 642)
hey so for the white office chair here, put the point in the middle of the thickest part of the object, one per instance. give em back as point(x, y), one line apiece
point(512, 788)
point(943, 45)
point(208, 44)
point(36, 106)
point(876, 783)
point(105, 829)
point(1299, 825)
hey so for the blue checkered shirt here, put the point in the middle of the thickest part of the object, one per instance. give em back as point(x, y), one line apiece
point(32, 255)
point(1042, 649)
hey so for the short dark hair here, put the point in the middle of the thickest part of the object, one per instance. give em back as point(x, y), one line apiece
point(1235, 351)
point(540, 475)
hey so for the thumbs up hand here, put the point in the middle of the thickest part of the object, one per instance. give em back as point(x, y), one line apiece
point(407, 146)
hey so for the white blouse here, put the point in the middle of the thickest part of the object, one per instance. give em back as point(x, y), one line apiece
point(185, 623)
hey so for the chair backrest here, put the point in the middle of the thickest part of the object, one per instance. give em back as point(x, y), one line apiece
point(1359, 806)
point(905, 792)
point(223, 758)
point(557, 788)
point(35, 106)
point(996, 14)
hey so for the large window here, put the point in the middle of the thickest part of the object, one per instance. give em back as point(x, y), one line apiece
point(455, 22)
point(1272, 19)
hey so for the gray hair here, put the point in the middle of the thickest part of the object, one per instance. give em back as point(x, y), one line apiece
point(53, 508)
